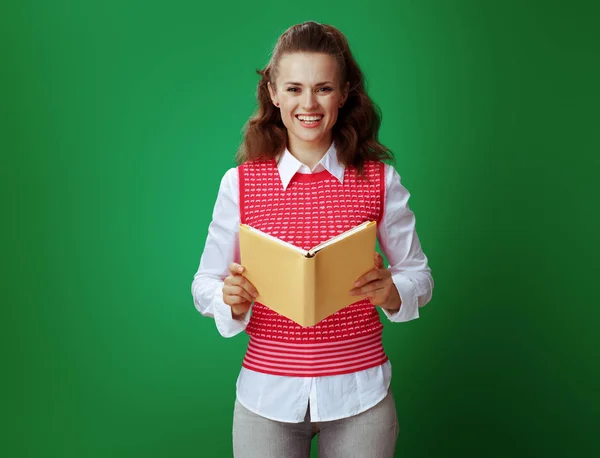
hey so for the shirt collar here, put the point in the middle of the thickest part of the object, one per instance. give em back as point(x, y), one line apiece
point(288, 165)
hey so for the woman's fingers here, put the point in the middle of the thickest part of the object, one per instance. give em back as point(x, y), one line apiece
point(371, 275)
point(238, 280)
point(239, 292)
point(378, 261)
point(237, 286)
point(235, 269)
point(370, 288)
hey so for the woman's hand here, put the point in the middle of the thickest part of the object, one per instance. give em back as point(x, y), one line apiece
point(377, 284)
point(238, 292)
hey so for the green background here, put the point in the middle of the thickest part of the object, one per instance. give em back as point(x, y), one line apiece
point(119, 119)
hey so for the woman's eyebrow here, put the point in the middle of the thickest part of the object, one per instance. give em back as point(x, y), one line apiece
point(293, 83)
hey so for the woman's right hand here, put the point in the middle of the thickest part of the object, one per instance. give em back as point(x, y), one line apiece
point(238, 292)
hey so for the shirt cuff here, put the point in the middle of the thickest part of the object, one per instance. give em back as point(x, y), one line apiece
point(409, 309)
point(226, 324)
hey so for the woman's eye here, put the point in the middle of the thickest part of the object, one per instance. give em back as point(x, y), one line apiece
point(292, 89)
point(326, 89)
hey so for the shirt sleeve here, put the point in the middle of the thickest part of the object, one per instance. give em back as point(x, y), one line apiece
point(221, 248)
point(400, 243)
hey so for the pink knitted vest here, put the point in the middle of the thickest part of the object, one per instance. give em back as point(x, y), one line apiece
point(313, 208)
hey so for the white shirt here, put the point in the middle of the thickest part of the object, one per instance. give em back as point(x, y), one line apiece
point(284, 398)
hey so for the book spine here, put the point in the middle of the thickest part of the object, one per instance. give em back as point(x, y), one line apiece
point(310, 290)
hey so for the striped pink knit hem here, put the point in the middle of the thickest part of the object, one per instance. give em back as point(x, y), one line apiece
point(314, 359)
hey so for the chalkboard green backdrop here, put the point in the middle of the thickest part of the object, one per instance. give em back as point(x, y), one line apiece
point(119, 119)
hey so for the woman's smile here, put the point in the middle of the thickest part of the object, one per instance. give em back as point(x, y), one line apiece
point(309, 121)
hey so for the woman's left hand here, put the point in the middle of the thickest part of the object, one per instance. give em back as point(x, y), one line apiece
point(377, 284)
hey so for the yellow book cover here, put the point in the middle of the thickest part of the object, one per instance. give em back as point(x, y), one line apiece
point(307, 286)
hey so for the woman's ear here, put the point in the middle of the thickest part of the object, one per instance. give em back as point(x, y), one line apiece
point(273, 94)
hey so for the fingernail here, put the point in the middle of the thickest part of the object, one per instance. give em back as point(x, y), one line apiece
point(240, 269)
point(356, 283)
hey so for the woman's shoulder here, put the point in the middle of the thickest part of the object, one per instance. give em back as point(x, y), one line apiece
point(371, 167)
point(229, 180)
point(254, 164)
point(379, 166)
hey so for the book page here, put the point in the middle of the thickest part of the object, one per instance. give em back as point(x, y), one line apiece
point(275, 239)
point(337, 238)
point(339, 265)
point(282, 274)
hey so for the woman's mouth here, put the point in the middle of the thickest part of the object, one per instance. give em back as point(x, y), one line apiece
point(309, 120)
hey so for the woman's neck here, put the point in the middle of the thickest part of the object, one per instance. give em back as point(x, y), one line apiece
point(309, 153)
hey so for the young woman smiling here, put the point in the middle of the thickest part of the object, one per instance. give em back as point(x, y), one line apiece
point(311, 159)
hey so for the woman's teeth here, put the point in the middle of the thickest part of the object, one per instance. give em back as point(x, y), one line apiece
point(310, 119)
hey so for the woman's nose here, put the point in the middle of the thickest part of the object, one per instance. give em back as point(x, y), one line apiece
point(310, 100)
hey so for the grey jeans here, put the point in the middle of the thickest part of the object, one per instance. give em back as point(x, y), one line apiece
point(370, 434)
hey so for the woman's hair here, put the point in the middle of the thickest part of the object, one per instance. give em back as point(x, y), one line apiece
point(355, 132)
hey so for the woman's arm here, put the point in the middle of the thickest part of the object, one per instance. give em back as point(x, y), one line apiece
point(399, 242)
point(220, 250)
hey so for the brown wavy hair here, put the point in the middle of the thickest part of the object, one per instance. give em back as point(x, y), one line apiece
point(356, 130)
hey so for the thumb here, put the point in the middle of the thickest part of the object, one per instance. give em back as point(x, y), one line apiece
point(235, 269)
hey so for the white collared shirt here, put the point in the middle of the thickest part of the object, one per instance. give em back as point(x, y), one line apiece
point(283, 398)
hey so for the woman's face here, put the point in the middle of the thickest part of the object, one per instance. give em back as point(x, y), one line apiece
point(309, 93)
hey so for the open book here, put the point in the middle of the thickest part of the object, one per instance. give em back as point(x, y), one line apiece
point(307, 286)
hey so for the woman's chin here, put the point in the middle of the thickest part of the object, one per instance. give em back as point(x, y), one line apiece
point(311, 137)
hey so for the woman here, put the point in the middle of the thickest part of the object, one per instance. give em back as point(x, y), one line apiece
point(310, 158)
